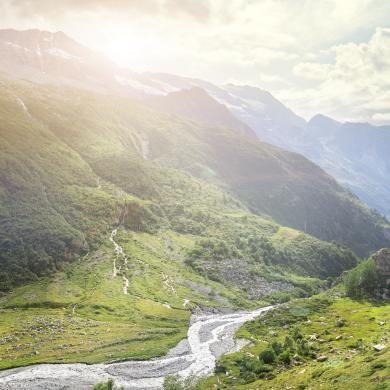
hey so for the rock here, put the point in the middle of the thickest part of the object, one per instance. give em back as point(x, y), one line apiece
point(313, 337)
point(339, 337)
point(381, 323)
point(379, 347)
point(36, 352)
point(382, 261)
point(322, 358)
point(340, 322)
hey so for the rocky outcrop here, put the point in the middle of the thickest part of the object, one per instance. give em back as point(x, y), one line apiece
point(382, 261)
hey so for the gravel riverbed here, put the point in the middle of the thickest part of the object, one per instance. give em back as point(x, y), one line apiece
point(209, 336)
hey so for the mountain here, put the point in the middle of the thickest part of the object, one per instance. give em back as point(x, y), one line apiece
point(283, 185)
point(197, 104)
point(357, 154)
point(55, 58)
point(323, 140)
point(271, 119)
point(59, 144)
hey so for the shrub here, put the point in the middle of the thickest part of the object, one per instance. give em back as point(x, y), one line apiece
point(303, 348)
point(285, 357)
point(297, 334)
point(267, 356)
point(288, 343)
point(277, 347)
point(253, 365)
point(176, 382)
point(109, 385)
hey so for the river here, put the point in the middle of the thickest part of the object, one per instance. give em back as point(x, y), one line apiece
point(209, 336)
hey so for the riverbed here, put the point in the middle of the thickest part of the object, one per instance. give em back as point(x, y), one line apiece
point(209, 336)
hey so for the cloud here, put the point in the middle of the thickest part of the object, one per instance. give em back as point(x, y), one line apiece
point(354, 84)
point(319, 56)
point(198, 10)
point(382, 117)
point(312, 70)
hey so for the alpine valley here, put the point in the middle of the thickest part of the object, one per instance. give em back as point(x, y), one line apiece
point(145, 211)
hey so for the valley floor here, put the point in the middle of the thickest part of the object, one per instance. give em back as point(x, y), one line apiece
point(113, 304)
point(209, 336)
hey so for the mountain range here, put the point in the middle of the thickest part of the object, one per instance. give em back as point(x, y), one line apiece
point(95, 123)
point(356, 154)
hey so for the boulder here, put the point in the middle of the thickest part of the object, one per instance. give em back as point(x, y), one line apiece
point(379, 347)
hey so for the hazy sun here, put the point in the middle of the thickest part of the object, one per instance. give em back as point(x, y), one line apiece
point(122, 52)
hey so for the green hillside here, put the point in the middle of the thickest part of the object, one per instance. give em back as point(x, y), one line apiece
point(56, 155)
point(111, 134)
point(322, 342)
point(77, 165)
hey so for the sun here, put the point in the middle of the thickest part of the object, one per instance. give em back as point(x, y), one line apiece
point(121, 52)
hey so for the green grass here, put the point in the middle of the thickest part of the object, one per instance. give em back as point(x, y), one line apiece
point(351, 361)
point(82, 315)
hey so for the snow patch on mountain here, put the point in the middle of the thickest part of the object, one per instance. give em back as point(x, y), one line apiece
point(55, 51)
point(126, 82)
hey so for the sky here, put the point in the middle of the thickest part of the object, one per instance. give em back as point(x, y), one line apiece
point(316, 56)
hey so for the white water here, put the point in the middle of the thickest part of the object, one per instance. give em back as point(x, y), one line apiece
point(125, 285)
point(208, 337)
point(119, 252)
point(23, 105)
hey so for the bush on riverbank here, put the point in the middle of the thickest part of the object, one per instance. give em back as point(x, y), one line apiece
point(109, 385)
point(176, 382)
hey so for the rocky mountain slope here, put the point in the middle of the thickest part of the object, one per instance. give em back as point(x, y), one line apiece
point(196, 104)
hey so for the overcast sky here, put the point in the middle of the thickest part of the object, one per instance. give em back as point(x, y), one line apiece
point(327, 56)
